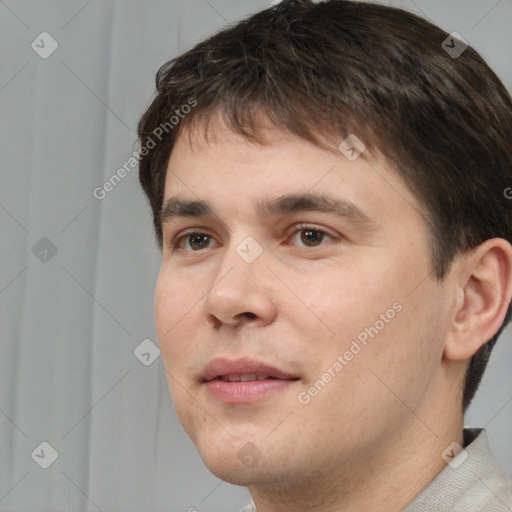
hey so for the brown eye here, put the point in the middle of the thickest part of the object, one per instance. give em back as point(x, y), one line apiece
point(198, 241)
point(193, 241)
point(311, 237)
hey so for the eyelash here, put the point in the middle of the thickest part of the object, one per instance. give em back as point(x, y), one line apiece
point(176, 241)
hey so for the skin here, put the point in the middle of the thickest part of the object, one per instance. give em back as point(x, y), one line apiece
point(372, 438)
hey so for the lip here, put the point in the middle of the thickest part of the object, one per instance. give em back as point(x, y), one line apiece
point(248, 391)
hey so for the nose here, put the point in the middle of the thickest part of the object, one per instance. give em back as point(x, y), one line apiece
point(241, 293)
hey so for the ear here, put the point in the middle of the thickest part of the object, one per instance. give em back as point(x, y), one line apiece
point(484, 276)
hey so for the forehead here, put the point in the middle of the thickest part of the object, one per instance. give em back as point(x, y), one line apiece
point(218, 166)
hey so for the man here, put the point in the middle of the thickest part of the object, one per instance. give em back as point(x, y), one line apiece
point(328, 185)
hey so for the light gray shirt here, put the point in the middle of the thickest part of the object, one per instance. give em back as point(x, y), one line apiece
point(472, 481)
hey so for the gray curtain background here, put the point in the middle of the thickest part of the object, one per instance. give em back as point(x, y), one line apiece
point(77, 272)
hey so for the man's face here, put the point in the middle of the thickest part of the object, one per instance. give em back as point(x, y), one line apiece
point(330, 304)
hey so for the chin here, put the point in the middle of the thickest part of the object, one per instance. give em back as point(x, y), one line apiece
point(233, 460)
point(241, 475)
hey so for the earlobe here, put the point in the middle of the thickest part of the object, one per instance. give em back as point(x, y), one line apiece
point(483, 298)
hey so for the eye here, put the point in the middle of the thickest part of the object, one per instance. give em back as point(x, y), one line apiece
point(192, 241)
point(310, 236)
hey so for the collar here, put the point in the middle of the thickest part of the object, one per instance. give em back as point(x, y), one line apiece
point(472, 482)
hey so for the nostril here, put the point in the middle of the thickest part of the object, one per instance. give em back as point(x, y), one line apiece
point(217, 321)
point(214, 321)
point(248, 315)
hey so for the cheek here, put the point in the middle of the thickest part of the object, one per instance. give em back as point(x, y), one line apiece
point(402, 355)
point(166, 306)
point(175, 310)
point(344, 298)
point(370, 309)
point(176, 319)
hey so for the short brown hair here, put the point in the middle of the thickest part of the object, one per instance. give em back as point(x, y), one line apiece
point(343, 67)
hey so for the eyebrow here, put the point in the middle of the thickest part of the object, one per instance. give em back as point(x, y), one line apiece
point(293, 203)
point(175, 207)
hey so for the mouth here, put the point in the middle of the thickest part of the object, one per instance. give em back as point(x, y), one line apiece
point(244, 380)
point(246, 377)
